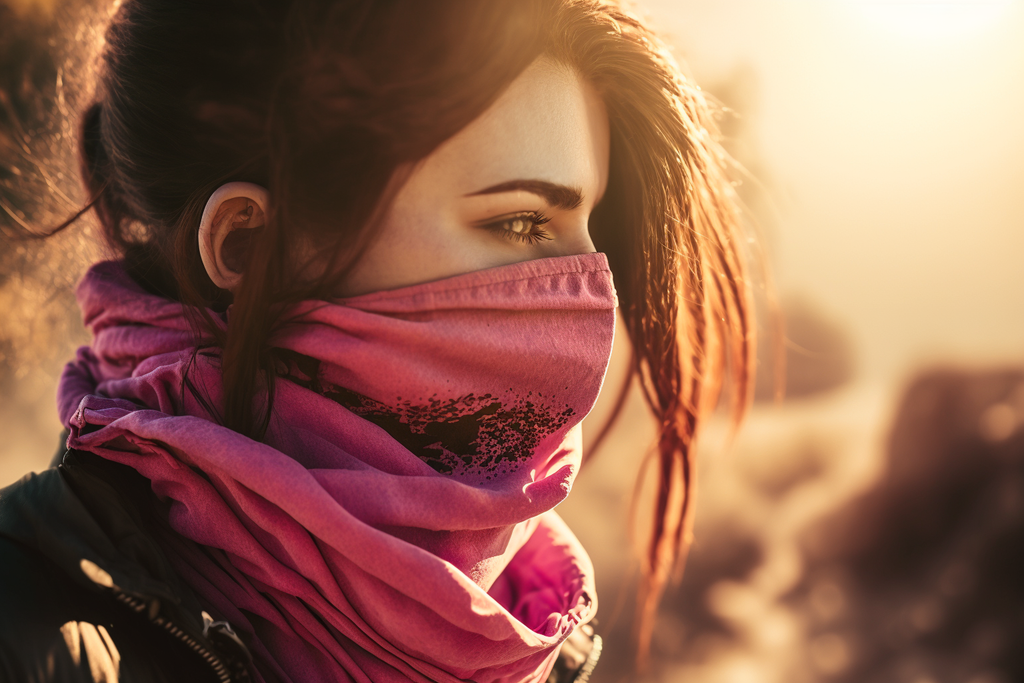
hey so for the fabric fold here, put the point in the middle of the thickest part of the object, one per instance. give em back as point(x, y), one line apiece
point(396, 522)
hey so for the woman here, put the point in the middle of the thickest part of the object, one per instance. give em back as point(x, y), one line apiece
point(363, 302)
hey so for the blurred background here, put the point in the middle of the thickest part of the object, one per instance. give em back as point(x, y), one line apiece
point(869, 527)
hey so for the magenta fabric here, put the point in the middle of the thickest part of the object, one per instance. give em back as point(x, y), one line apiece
point(396, 523)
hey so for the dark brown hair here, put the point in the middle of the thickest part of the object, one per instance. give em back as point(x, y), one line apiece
point(321, 101)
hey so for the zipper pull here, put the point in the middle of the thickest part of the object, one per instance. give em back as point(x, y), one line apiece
point(224, 637)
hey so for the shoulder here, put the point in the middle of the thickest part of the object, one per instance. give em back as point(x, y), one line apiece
point(55, 627)
point(54, 630)
point(32, 603)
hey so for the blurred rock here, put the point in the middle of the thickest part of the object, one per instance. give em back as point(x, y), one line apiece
point(931, 561)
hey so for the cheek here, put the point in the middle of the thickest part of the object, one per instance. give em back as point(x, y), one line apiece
point(394, 256)
point(416, 242)
point(421, 226)
point(419, 215)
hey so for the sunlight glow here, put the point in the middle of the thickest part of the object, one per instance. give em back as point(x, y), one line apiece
point(933, 19)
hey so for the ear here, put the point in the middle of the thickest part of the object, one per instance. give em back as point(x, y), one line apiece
point(233, 215)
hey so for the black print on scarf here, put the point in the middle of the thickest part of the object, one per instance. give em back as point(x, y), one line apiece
point(472, 434)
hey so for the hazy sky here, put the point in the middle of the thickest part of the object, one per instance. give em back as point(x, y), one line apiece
point(892, 134)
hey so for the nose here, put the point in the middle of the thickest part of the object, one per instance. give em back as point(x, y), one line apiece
point(574, 240)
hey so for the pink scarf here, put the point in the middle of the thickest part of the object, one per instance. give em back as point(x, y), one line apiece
point(396, 523)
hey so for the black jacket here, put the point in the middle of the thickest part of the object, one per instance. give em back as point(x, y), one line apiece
point(87, 595)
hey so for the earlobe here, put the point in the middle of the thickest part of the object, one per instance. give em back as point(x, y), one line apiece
point(232, 208)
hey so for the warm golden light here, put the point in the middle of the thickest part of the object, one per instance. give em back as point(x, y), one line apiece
point(932, 19)
point(886, 137)
point(24, 6)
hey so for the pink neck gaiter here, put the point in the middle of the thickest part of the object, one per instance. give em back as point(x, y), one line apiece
point(396, 523)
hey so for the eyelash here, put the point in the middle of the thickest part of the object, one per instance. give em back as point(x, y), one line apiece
point(535, 235)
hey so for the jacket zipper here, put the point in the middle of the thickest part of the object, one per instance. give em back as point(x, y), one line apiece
point(209, 657)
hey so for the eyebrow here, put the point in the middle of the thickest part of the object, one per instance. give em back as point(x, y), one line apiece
point(558, 196)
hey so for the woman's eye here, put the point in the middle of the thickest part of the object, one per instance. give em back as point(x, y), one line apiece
point(522, 227)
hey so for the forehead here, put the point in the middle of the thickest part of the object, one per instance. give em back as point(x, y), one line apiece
point(548, 125)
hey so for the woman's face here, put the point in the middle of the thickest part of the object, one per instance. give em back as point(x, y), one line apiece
point(517, 183)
